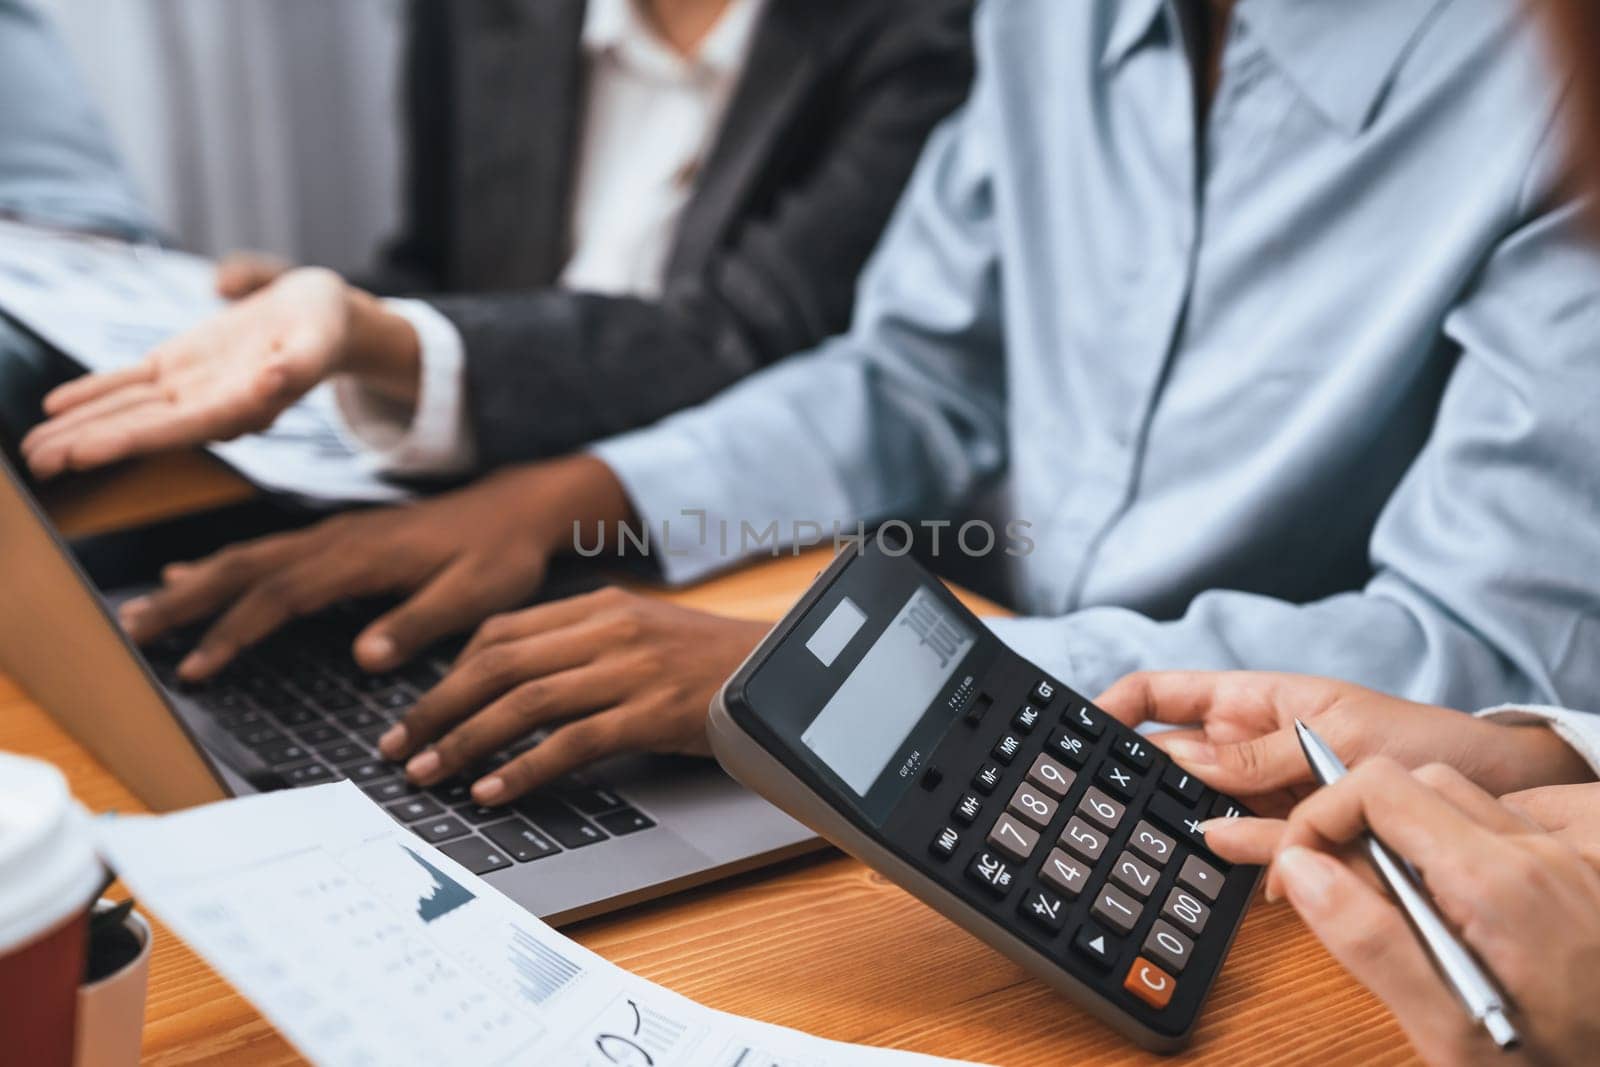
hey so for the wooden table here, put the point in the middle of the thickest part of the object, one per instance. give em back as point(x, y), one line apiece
point(822, 944)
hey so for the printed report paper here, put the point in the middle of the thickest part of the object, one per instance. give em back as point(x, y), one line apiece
point(106, 303)
point(366, 946)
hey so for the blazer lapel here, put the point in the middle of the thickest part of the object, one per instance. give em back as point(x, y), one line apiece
point(520, 77)
point(777, 76)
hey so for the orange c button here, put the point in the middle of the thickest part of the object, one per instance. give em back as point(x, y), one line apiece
point(1150, 983)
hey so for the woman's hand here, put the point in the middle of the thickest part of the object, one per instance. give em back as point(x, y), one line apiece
point(619, 672)
point(1523, 896)
point(459, 558)
point(1241, 733)
point(232, 374)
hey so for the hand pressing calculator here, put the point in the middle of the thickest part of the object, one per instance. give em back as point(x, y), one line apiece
point(887, 717)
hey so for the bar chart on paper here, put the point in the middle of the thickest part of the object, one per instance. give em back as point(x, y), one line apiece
point(368, 947)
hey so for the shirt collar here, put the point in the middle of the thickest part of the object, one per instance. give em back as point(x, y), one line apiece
point(619, 25)
point(1341, 54)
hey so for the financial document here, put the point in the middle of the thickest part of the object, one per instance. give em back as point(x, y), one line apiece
point(366, 947)
point(106, 303)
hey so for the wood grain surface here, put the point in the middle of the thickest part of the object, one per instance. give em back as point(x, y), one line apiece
point(821, 944)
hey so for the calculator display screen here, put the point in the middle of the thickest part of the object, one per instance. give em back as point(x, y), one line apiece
point(875, 709)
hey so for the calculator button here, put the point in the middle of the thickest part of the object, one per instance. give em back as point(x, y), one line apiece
point(1007, 748)
point(1064, 872)
point(1174, 816)
point(1032, 805)
point(1116, 908)
point(1013, 838)
point(1136, 750)
point(1070, 748)
point(931, 778)
point(1225, 808)
point(944, 846)
point(992, 873)
point(1200, 876)
point(1102, 809)
point(1150, 983)
point(1026, 718)
point(1117, 778)
point(1050, 776)
point(967, 809)
point(1083, 839)
point(1044, 693)
point(1094, 945)
point(1152, 844)
point(1090, 722)
point(1135, 875)
point(1186, 909)
point(987, 778)
point(1181, 784)
point(1168, 946)
point(1045, 910)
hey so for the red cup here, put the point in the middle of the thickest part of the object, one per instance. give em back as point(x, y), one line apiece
point(48, 878)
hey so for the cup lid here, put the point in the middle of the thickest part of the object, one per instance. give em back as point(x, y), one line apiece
point(48, 867)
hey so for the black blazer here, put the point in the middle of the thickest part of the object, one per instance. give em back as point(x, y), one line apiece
point(821, 134)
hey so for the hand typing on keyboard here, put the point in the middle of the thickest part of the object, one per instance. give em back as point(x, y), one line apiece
point(458, 558)
point(619, 672)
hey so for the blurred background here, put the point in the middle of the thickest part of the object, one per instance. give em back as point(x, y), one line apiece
point(261, 124)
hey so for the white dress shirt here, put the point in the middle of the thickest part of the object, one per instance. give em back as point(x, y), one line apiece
point(651, 116)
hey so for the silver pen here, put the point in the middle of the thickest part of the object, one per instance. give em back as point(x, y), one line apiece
point(1475, 988)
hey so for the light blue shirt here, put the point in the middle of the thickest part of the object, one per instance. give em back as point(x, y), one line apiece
point(1316, 391)
point(56, 161)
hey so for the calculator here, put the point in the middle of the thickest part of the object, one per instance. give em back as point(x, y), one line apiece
point(889, 719)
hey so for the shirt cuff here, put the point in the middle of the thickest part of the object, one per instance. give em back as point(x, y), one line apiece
point(432, 438)
point(1580, 729)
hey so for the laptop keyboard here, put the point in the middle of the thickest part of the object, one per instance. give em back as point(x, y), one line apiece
point(300, 703)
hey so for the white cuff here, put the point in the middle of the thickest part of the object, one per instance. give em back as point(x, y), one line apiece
point(1580, 729)
point(432, 438)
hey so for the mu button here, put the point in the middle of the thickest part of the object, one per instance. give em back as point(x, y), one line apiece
point(1150, 983)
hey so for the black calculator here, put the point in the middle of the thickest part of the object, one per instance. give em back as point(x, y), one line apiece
point(888, 718)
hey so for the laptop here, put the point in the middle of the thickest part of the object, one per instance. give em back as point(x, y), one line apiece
point(296, 711)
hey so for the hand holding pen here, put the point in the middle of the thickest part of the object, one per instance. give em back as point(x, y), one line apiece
point(1516, 885)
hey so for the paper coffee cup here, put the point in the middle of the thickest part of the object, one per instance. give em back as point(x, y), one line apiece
point(48, 878)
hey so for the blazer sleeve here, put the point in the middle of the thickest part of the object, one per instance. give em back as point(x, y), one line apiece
point(416, 260)
point(551, 370)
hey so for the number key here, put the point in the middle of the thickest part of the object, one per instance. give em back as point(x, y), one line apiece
point(1152, 844)
point(1170, 948)
point(1136, 875)
point(1050, 776)
point(1116, 909)
point(1186, 910)
point(1101, 808)
point(1065, 873)
point(1083, 839)
point(1030, 804)
point(1012, 838)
